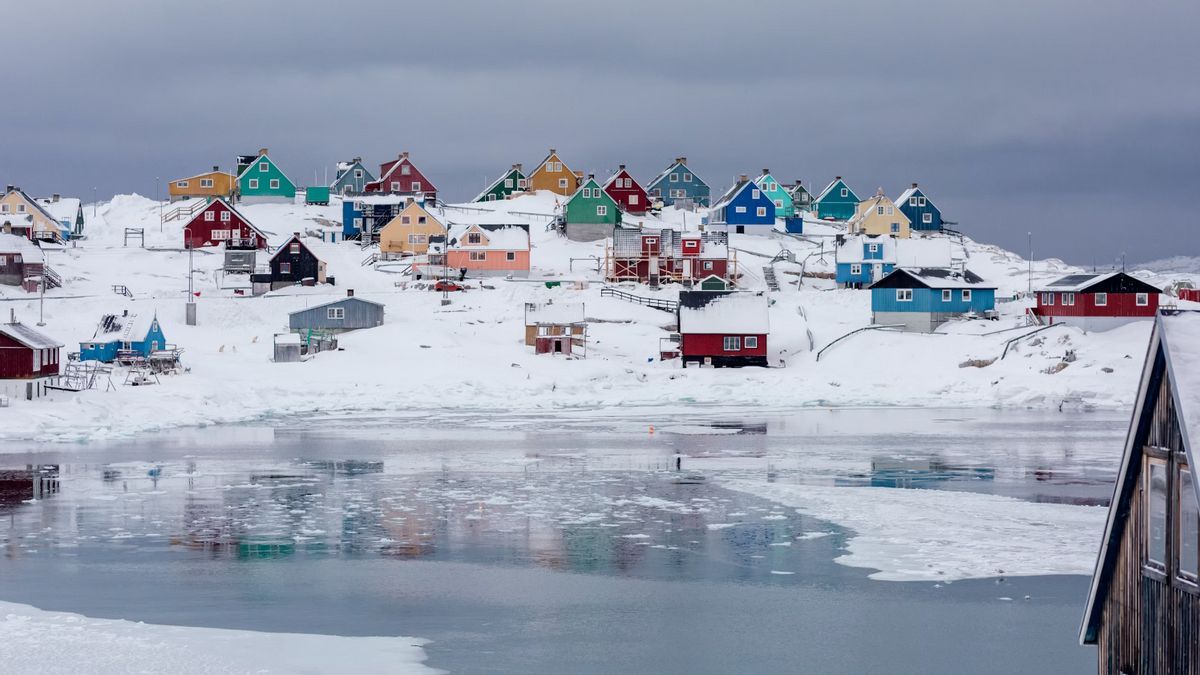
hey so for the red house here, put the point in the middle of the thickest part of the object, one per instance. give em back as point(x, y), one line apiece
point(1097, 301)
point(725, 329)
point(626, 192)
point(401, 177)
point(653, 256)
point(28, 359)
point(220, 223)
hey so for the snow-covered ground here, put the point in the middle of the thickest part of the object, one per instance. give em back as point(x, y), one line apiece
point(470, 356)
point(58, 642)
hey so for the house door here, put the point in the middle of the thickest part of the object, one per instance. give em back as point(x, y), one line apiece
point(876, 272)
point(687, 268)
point(558, 346)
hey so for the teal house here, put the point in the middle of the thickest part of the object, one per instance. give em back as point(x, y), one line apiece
point(123, 334)
point(922, 299)
point(778, 194)
point(836, 202)
point(802, 199)
point(352, 178)
point(678, 186)
point(513, 181)
point(260, 180)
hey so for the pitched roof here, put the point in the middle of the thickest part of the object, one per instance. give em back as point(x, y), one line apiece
point(66, 208)
point(123, 327)
point(296, 239)
point(497, 182)
point(831, 185)
point(12, 243)
point(925, 277)
point(1177, 335)
point(911, 192)
point(618, 173)
point(732, 192)
point(33, 202)
point(1112, 282)
point(28, 336)
point(202, 175)
point(709, 312)
point(259, 158)
point(667, 171)
point(500, 236)
point(558, 313)
point(339, 301)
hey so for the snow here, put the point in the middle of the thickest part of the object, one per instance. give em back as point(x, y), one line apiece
point(470, 354)
point(28, 336)
point(48, 643)
point(11, 243)
point(731, 313)
point(934, 535)
point(1182, 335)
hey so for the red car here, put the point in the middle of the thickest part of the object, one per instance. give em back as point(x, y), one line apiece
point(446, 285)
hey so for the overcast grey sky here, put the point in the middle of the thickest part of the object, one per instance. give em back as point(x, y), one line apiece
point(1078, 120)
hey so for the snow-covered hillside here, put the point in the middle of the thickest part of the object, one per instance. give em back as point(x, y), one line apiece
point(470, 356)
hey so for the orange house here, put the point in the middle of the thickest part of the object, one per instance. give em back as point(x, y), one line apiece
point(215, 183)
point(554, 176)
point(489, 250)
point(409, 231)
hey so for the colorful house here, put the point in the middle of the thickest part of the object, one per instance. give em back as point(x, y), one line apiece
point(24, 216)
point(118, 335)
point(678, 186)
point(339, 316)
point(488, 250)
point(364, 216)
point(879, 215)
point(836, 202)
point(401, 177)
point(409, 231)
point(1097, 302)
point(920, 300)
point(68, 211)
point(920, 211)
point(293, 263)
point(556, 328)
point(626, 192)
point(1142, 605)
point(511, 182)
point(551, 174)
point(220, 223)
point(653, 256)
point(864, 259)
point(21, 263)
point(590, 213)
point(724, 329)
point(209, 185)
point(351, 178)
point(29, 361)
point(802, 199)
point(777, 193)
point(260, 180)
point(743, 206)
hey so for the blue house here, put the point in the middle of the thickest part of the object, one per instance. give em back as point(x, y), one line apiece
point(921, 212)
point(679, 184)
point(123, 332)
point(352, 178)
point(922, 299)
point(744, 205)
point(866, 258)
point(836, 201)
point(368, 214)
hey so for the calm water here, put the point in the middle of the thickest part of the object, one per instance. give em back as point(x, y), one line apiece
point(529, 545)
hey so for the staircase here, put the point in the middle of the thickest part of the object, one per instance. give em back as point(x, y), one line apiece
point(653, 303)
point(769, 277)
point(185, 210)
point(121, 289)
point(371, 259)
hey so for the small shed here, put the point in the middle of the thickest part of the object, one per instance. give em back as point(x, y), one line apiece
point(723, 328)
point(287, 348)
point(124, 334)
point(556, 328)
point(339, 316)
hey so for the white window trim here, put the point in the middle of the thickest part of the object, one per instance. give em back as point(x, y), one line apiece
point(1102, 299)
point(335, 313)
point(947, 295)
point(750, 342)
point(966, 295)
point(253, 183)
point(904, 295)
point(855, 269)
point(1142, 299)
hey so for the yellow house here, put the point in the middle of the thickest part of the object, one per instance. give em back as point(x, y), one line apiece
point(21, 215)
point(879, 215)
point(409, 232)
point(554, 176)
point(215, 183)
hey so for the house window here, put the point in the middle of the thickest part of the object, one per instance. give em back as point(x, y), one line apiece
point(358, 173)
point(294, 249)
point(687, 177)
point(562, 182)
point(1102, 299)
point(1188, 516)
point(755, 193)
point(779, 203)
point(873, 248)
point(421, 220)
point(1068, 299)
point(358, 223)
point(708, 265)
point(253, 183)
point(209, 216)
point(895, 227)
point(395, 186)
point(674, 178)
point(855, 269)
point(903, 295)
point(416, 186)
point(879, 210)
point(1142, 299)
point(587, 193)
point(405, 220)
point(510, 256)
point(521, 184)
point(602, 210)
point(3, 208)
point(491, 197)
point(20, 208)
point(206, 182)
point(733, 343)
point(226, 216)
point(761, 212)
point(180, 184)
point(478, 256)
point(946, 295)
point(921, 201)
point(633, 200)
point(3, 260)
point(739, 209)
point(966, 295)
point(274, 183)
point(263, 167)
point(508, 183)
point(891, 210)
point(335, 313)
point(1155, 494)
point(1048, 299)
point(285, 268)
point(557, 167)
point(416, 239)
point(751, 342)
point(845, 192)
point(912, 201)
point(927, 218)
point(474, 238)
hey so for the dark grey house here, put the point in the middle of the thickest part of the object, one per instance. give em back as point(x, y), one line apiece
point(349, 313)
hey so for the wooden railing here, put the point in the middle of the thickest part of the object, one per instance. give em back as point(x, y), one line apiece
point(188, 209)
point(653, 303)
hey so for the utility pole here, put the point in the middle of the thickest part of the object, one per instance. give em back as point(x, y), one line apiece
point(95, 204)
point(42, 297)
point(158, 198)
point(1029, 274)
point(190, 308)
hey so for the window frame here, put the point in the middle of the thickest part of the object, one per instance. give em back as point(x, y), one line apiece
point(1102, 299)
point(904, 295)
point(855, 269)
point(750, 342)
point(731, 343)
point(335, 313)
point(1142, 299)
point(1190, 579)
point(947, 295)
point(1155, 568)
point(966, 295)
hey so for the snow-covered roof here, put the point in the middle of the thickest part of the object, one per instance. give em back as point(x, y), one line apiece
point(28, 336)
point(711, 312)
point(493, 184)
point(933, 252)
point(1181, 333)
point(350, 298)
point(380, 199)
point(11, 243)
point(500, 236)
point(287, 338)
point(932, 278)
point(731, 193)
point(123, 327)
point(34, 203)
point(903, 198)
point(558, 313)
point(829, 187)
point(1080, 283)
point(66, 208)
point(852, 249)
point(667, 171)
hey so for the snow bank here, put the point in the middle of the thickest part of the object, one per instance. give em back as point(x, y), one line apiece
point(36, 642)
point(937, 535)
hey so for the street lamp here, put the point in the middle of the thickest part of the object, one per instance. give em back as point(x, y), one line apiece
point(1029, 274)
point(94, 202)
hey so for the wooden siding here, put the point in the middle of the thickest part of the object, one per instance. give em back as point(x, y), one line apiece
point(224, 185)
point(357, 314)
point(545, 179)
point(394, 237)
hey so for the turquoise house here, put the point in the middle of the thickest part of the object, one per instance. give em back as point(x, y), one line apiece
point(678, 184)
point(352, 178)
point(922, 299)
point(260, 180)
point(837, 201)
point(123, 332)
point(777, 193)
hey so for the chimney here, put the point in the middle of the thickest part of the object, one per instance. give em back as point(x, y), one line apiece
point(914, 185)
point(766, 171)
point(408, 200)
point(621, 167)
point(12, 314)
point(799, 182)
point(8, 188)
point(591, 176)
point(55, 197)
point(404, 155)
point(552, 151)
point(682, 160)
point(516, 167)
point(216, 168)
point(357, 160)
point(743, 178)
point(296, 235)
point(349, 292)
point(262, 152)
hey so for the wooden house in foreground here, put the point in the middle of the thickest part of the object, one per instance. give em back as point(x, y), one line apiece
point(556, 328)
point(724, 329)
point(29, 360)
point(1143, 610)
point(1096, 302)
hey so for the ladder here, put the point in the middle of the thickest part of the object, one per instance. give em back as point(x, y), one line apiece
point(769, 277)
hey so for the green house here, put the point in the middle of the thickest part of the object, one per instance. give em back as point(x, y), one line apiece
point(509, 183)
point(260, 180)
point(776, 193)
point(837, 201)
point(590, 214)
point(713, 282)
